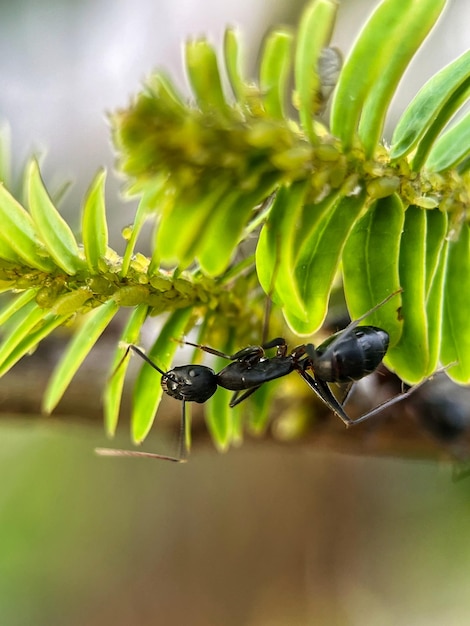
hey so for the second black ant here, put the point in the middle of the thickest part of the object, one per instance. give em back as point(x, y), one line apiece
point(345, 357)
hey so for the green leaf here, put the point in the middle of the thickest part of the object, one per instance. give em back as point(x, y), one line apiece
point(318, 261)
point(436, 255)
point(115, 383)
point(430, 111)
point(370, 265)
point(204, 76)
point(7, 253)
point(224, 424)
point(275, 253)
point(455, 345)
point(222, 233)
point(163, 87)
point(18, 233)
point(142, 213)
point(436, 232)
point(16, 304)
point(218, 414)
point(94, 226)
point(451, 148)
point(410, 356)
point(375, 65)
point(148, 390)
point(23, 321)
point(287, 216)
point(274, 72)
point(188, 218)
point(31, 339)
point(315, 28)
point(232, 56)
point(52, 228)
point(417, 20)
point(93, 326)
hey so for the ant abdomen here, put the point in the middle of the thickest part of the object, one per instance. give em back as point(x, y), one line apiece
point(346, 357)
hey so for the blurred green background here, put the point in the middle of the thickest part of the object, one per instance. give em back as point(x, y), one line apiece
point(267, 535)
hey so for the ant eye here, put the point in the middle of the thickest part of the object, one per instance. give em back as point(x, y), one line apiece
point(192, 373)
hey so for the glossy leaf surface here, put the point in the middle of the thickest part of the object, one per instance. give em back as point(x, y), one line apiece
point(455, 336)
point(115, 383)
point(452, 147)
point(318, 260)
point(410, 356)
point(52, 228)
point(314, 34)
point(19, 234)
point(371, 265)
point(76, 352)
point(431, 109)
point(94, 226)
point(274, 72)
point(375, 65)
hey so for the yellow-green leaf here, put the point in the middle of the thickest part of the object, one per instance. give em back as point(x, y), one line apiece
point(51, 227)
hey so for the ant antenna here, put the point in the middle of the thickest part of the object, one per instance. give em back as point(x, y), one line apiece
point(183, 453)
point(137, 453)
point(143, 356)
point(357, 321)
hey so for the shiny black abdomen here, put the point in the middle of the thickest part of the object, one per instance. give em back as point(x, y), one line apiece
point(350, 355)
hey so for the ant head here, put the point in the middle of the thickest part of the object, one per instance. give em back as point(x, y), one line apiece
point(194, 383)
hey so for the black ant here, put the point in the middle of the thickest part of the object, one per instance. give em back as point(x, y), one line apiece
point(345, 357)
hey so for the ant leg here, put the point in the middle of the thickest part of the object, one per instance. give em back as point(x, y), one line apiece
point(326, 395)
point(236, 399)
point(208, 349)
point(345, 389)
point(267, 315)
point(354, 323)
point(274, 343)
point(249, 353)
point(323, 391)
point(181, 458)
point(136, 453)
point(395, 400)
point(279, 343)
point(183, 450)
point(183, 447)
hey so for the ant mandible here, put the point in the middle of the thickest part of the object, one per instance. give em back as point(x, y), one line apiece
point(345, 357)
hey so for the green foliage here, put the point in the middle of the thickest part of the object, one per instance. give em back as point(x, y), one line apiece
point(326, 196)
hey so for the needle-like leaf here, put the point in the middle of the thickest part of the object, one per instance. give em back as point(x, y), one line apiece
point(78, 349)
point(94, 226)
point(52, 228)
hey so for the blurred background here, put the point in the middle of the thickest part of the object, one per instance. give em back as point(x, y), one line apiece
point(266, 535)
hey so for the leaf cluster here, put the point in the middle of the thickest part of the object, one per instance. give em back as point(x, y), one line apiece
point(316, 188)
